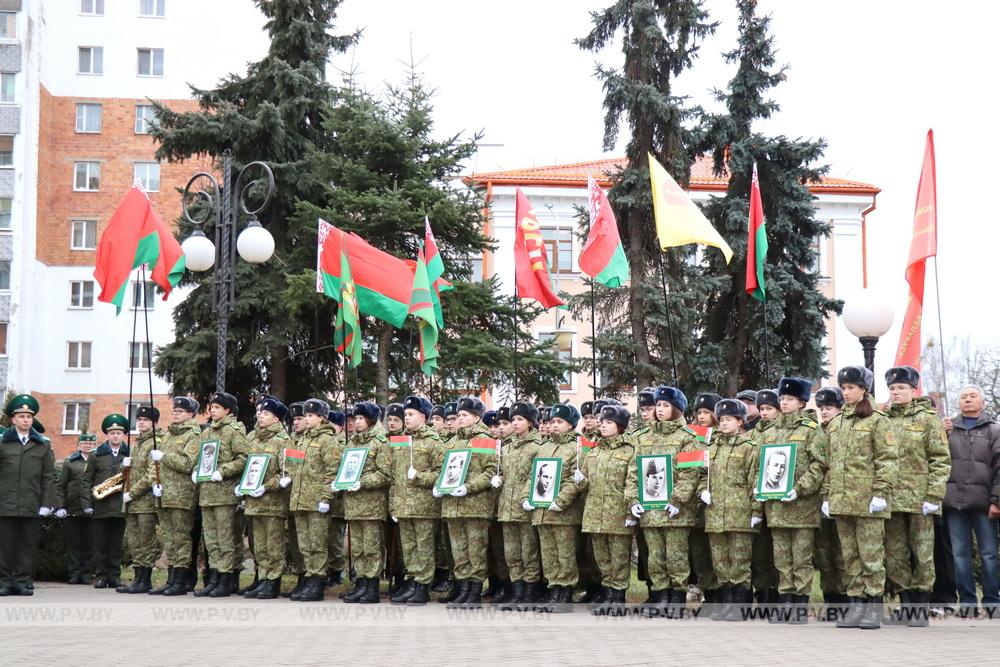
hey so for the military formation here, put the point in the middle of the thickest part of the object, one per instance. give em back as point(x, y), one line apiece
point(528, 508)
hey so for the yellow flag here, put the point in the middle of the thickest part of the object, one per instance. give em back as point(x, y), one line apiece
point(678, 220)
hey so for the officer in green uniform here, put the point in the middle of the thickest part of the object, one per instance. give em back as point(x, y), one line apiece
point(827, 557)
point(76, 524)
point(27, 495)
point(335, 551)
point(140, 504)
point(863, 471)
point(731, 512)
point(215, 497)
point(924, 468)
point(107, 514)
point(176, 454)
point(699, 550)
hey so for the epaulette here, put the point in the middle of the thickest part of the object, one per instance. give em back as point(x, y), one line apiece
point(879, 412)
point(809, 423)
point(640, 431)
point(688, 429)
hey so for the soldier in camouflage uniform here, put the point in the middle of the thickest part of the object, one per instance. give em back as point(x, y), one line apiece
point(335, 562)
point(642, 423)
point(863, 471)
point(699, 550)
point(395, 570)
point(793, 520)
point(107, 514)
point(443, 562)
point(293, 556)
point(499, 588)
point(215, 497)
point(924, 467)
point(731, 512)
point(141, 517)
point(763, 574)
point(826, 556)
point(646, 403)
point(76, 524)
point(450, 417)
point(666, 531)
point(589, 574)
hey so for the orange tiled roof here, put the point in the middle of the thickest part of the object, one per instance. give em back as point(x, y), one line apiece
point(575, 176)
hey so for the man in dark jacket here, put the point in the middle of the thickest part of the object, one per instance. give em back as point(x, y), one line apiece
point(972, 500)
point(76, 524)
point(107, 514)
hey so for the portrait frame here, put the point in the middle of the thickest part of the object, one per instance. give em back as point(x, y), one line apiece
point(345, 481)
point(446, 488)
point(766, 491)
point(248, 484)
point(208, 462)
point(537, 498)
point(661, 500)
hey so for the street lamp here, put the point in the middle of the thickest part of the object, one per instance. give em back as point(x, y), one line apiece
point(869, 318)
point(254, 244)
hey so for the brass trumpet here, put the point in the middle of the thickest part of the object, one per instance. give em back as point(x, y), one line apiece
point(113, 484)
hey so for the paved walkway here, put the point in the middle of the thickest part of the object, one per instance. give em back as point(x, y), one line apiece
point(75, 623)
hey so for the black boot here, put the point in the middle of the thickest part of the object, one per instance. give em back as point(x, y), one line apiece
point(563, 603)
point(492, 588)
point(254, 588)
point(919, 609)
point(334, 578)
point(548, 598)
point(474, 597)
point(421, 594)
point(781, 609)
point(457, 591)
point(254, 585)
point(211, 582)
point(358, 583)
point(898, 616)
point(515, 597)
point(505, 592)
point(191, 578)
point(371, 592)
point(361, 586)
point(723, 604)
point(121, 587)
point(227, 585)
point(799, 612)
point(618, 607)
point(532, 593)
point(593, 593)
point(440, 582)
point(179, 584)
point(142, 584)
point(872, 616)
point(269, 590)
point(855, 610)
point(171, 573)
point(312, 591)
point(298, 587)
point(404, 593)
point(739, 608)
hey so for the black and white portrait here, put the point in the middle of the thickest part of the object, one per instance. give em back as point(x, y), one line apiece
point(654, 478)
point(777, 471)
point(454, 469)
point(545, 476)
point(207, 461)
point(254, 474)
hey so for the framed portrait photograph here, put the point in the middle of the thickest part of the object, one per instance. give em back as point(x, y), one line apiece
point(453, 471)
point(546, 474)
point(655, 473)
point(351, 465)
point(253, 473)
point(777, 471)
point(208, 460)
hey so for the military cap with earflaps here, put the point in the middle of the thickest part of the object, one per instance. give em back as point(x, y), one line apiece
point(394, 410)
point(830, 396)
point(800, 388)
point(274, 406)
point(767, 397)
point(150, 412)
point(671, 395)
point(503, 413)
point(420, 404)
point(450, 409)
point(490, 418)
point(370, 411)
point(730, 407)
point(903, 375)
point(587, 408)
point(705, 401)
point(336, 417)
point(566, 412)
point(856, 375)
point(316, 406)
point(471, 404)
point(226, 400)
point(187, 404)
point(646, 398)
point(619, 414)
point(525, 411)
point(295, 409)
point(437, 411)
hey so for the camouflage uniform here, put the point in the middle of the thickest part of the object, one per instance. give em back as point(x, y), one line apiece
point(335, 554)
point(733, 474)
point(557, 531)
point(141, 512)
point(862, 466)
point(268, 512)
point(180, 451)
point(411, 502)
point(366, 508)
point(216, 499)
point(311, 486)
point(605, 469)
point(924, 467)
point(666, 538)
point(793, 524)
point(520, 541)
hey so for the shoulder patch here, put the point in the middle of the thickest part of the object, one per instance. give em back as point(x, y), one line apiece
point(688, 429)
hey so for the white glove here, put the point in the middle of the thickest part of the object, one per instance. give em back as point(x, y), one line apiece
point(323, 507)
point(394, 519)
point(460, 491)
point(578, 477)
point(637, 510)
point(436, 493)
point(672, 511)
point(825, 508)
point(930, 508)
point(706, 497)
point(629, 523)
point(527, 506)
point(755, 521)
point(790, 497)
point(45, 511)
point(60, 513)
point(877, 505)
point(194, 476)
point(156, 455)
point(354, 487)
point(236, 490)
point(216, 476)
point(127, 462)
point(285, 482)
point(411, 473)
point(257, 493)
point(158, 490)
point(496, 481)
point(554, 508)
point(89, 510)
point(126, 498)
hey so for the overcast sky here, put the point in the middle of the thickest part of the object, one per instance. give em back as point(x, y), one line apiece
point(869, 77)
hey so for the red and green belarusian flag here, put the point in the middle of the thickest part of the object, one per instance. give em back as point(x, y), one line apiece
point(422, 307)
point(347, 333)
point(435, 271)
point(584, 443)
point(696, 459)
point(603, 256)
point(400, 440)
point(135, 236)
point(297, 455)
point(484, 446)
point(756, 243)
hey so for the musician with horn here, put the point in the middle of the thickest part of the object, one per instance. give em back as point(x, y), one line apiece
point(103, 484)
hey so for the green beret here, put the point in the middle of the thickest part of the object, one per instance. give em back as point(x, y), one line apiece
point(114, 420)
point(22, 403)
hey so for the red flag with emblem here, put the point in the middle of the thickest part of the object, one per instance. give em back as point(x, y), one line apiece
point(531, 267)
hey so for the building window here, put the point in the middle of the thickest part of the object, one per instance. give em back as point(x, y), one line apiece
point(8, 25)
point(5, 275)
point(76, 416)
point(88, 117)
point(87, 176)
point(147, 173)
point(78, 356)
point(6, 150)
point(145, 116)
point(92, 7)
point(565, 354)
point(81, 294)
point(138, 357)
point(154, 8)
point(91, 60)
point(84, 235)
point(150, 62)
point(559, 247)
point(143, 298)
point(3, 339)
point(6, 205)
point(8, 92)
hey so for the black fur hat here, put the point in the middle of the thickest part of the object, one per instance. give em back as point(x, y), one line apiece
point(619, 414)
point(471, 404)
point(907, 374)
point(525, 410)
point(731, 407)
point(437, 411)
point(767, 397)
point(490, 418)
point(394, 410)
point(503, 414)
point(420, 404)
point(587, 408)
point(705, 401)
point(187, 404)
point(858, 375)
point(450, 409)
point(368, 410)
point(226, 400)
point(150, 412)
point(646, 398)
point(316, 406)
point(566, 412)
point(800, 388)
point(830, 396)
point(295, 409)
point(673, 396)
point(274, 406)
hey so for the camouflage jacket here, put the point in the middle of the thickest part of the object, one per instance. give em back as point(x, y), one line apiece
point(411, 498)
point(312, 477)
point(732, 475)
point(760, 428)
point(605, 469)
point(572, 496)
point(102, 464)
point(143, 473)
point(515, 470)
point(69, 486)
point(180, 452)
point(271, 440)
point(371, 501)
point(667, 437)
point(232, 440)
point(924, 460)
point(479, 502)
point(811, 456)
point(862, 463)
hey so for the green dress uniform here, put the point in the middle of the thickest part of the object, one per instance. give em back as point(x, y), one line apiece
point(311, 481)
point(176, 512)
point(606, 510)
point(520, 540)
point(141, 512)
point(269, 511)
point(76, 525)
point(107, 515)
point(367, 508)
point(412, 503)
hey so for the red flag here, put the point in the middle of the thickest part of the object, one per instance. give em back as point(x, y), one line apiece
point(531, 268)
point(923, 244)
point(756, 242)
point(603, 257)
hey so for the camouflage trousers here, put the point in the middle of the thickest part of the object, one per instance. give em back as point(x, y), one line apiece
point(269, 546)
point(731, 557)
point(143, 544)
point(175, 529)
point(217, 525)
point(442, 547)
point(827, 557)
point(312, 529)
point(701, 559)
point(614, 558)
point(520, 548)
point(335, 545)
point(762, 573)
point(367, 547)
point(586, 571)
point(241, 526)
point(793, 558)
point(417, 539)
point(909, 552)
point(667, 563)
point(469, 544)
point(862, 542)
point(496, 565)
point(558, 550)
point(292, 554)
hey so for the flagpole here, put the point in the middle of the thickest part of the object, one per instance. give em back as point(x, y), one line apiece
point(149, 366)
point(767, 348)
point(666, 309)
point(517, 312)
point(944, 370)
point(593, 337)
point(131, 370)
